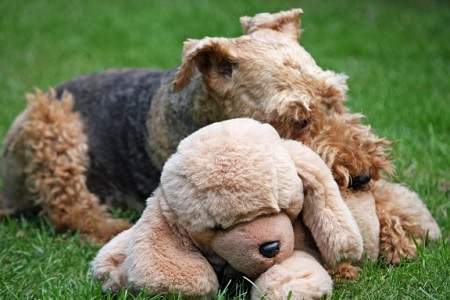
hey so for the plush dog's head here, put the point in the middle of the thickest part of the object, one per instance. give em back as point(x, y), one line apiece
point(228, 173)
point(235, 171)
point(267, 75)
point(221, 180)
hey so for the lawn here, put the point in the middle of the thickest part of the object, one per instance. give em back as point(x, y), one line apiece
point(396, 53)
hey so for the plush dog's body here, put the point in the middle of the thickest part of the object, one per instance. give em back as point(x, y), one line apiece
point(112, 141)
point(229, 204)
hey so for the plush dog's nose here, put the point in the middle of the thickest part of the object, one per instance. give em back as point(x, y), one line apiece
point(270, 249)
point(358, 181)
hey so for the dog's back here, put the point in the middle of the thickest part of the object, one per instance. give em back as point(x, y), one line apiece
point(114, 107)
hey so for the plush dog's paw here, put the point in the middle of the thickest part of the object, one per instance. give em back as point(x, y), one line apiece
point(298, 277)
point(107, 266)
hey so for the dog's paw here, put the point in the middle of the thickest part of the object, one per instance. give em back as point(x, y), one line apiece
point(298, 277)
point(396, 243)
point(344, 271)
point(393, 251)
point(105, 230)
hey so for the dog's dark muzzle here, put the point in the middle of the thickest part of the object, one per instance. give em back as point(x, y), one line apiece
point(357, 182)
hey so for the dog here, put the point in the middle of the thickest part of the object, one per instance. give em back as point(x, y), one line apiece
point(104, 137)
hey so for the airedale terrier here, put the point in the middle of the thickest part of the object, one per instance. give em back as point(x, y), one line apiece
point(104, 137)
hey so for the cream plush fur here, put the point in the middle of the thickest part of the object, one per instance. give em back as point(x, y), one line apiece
point(231, 188)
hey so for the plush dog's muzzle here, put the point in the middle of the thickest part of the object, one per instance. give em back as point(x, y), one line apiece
point(253, 247)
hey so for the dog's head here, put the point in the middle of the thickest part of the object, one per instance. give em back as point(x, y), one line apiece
point(267, 75)
point(264, 74)
point(350, 149)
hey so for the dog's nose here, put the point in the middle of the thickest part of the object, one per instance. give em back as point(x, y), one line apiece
point(270, 249)
point(358, 181)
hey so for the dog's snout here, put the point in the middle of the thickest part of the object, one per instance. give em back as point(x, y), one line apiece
point(270, 249)
point(358, 181)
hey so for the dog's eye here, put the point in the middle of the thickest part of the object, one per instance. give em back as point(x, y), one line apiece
point(303, 123)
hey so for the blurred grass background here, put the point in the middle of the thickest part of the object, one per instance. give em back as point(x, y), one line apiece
point(396, 53)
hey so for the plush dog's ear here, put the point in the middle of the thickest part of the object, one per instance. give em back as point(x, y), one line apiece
point(212, 57)
point(163, 259)
point(287, 22)
point(324, 212)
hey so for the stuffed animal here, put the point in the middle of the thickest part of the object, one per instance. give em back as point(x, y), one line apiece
point(235, 199)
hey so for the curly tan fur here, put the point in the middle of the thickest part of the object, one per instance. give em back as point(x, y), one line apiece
point(404, 221)
point(55, 149)
point(394, 232)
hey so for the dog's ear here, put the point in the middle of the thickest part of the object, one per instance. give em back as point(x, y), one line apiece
point(324, 212)
point(212, 57)
point(163, 259)
point(287, 22)
point(334, 92)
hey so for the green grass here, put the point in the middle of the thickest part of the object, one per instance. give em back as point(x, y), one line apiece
point(396, 53)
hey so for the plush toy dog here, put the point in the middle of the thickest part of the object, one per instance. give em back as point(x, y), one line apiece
point(228, 205)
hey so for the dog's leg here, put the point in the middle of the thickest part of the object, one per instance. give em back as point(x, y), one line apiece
point(45, 162)
point(403, 218)
point(14, 197)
